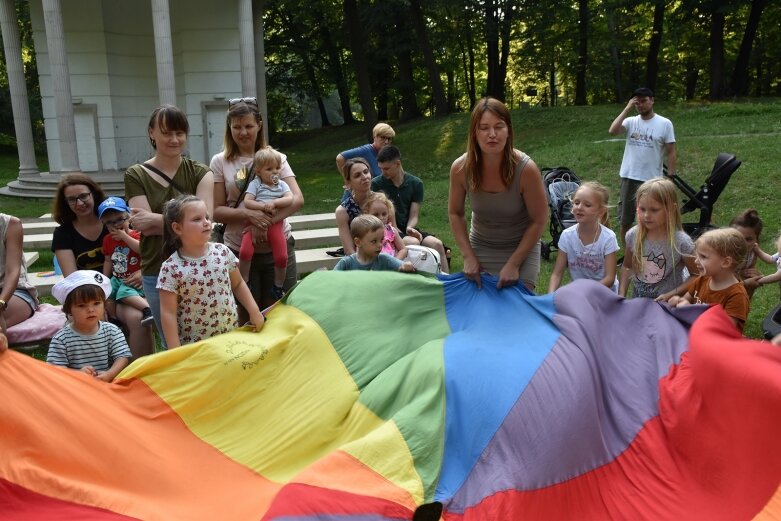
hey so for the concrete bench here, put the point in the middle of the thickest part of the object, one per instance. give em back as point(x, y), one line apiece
point(30, 257)
point(304, 239)
point(315, 234)
point(44, 225)
point(308, 231)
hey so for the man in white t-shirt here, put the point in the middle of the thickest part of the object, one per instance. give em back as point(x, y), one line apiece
point(649, 137)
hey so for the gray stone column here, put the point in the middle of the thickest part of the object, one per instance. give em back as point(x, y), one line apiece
point(18, 86)
point(247, 49)
point(164, 52)
point(260, 62)
point(63, 101)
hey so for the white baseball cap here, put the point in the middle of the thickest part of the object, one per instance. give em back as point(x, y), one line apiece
point(63, 288)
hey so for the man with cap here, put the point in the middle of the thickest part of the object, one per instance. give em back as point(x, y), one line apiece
point(87, 342)
point(649, 137)
point(121, 250)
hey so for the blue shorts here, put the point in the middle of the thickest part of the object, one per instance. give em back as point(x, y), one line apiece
point(28, 299)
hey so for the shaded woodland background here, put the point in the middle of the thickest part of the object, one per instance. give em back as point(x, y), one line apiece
point(343, 61)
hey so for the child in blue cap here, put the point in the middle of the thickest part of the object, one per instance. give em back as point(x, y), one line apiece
point(121, 248)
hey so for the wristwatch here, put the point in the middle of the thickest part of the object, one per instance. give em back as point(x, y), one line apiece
point(3, 305)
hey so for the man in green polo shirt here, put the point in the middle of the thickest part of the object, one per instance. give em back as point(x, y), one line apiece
point(406, 192)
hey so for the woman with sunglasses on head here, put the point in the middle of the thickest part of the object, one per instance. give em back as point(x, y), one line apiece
point(232, 174)
point(148, 186)
point(77, 244)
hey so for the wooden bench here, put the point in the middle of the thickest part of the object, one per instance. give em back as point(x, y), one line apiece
point(315, 234)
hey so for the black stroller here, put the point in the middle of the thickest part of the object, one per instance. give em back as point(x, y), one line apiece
point(771, 326)
point(723, 168)
point(560, 183)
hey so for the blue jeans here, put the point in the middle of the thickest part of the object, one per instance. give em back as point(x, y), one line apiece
point(153, 297)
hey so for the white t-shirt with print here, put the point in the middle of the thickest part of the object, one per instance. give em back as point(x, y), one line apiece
point(588, 261)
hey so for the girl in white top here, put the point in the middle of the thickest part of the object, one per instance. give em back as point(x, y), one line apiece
point(657, 248)
point(200, 282)
point(589, 248)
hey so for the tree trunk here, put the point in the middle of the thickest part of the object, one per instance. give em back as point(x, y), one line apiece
point(336, 70)
point(717, 54)
point(615, 56)
point(353, 27)
point(470, 47)
point(740, 77)
point(580, 74)
point(451, 90)
point(309, 70)
point(409, 102)
point(505, 30)
point(692, 75)
point(437, 90)
point(652, 62)
point(492, 47)
point(554, 93)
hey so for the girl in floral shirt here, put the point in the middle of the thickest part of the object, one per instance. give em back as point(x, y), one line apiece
point(199, 280)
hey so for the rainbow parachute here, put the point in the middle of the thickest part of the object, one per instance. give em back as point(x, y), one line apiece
point(382, 396)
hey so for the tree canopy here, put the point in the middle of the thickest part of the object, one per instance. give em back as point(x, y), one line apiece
point(399, 59)
point(342, 61)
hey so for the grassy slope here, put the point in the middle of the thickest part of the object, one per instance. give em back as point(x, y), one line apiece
point(576, 137)
point(572, 136)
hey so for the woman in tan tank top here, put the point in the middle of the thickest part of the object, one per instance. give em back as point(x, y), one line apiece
point(507, 197)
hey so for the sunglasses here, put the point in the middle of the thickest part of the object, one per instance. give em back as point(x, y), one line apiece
point(81, 197)
point(252, 100)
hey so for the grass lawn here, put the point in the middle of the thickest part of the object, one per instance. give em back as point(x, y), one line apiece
point(572, 136)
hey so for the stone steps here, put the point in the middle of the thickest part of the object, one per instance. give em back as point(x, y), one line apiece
point(44, 185)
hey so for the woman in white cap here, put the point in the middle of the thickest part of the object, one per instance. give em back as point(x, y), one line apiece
point(87, 342)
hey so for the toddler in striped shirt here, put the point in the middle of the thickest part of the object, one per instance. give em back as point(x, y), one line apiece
point(87, 342)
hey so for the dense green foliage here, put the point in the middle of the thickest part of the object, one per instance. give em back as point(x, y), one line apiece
point(522, 51)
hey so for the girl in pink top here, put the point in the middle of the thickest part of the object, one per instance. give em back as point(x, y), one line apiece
point(378, 205)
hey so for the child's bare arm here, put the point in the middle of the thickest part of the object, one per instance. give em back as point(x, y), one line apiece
point(168, 318)
point(610, 270)
point(677, 292)
point(680, 301)
point(627, 268)
point(558, 272)
point(88, 369)
point(245, 298)
point(132, 243)
point(108, 269)
point(109, 374)
point(284, 201)
point(768, 279)
point(407, 267)
point(761, 255)
point(252, 204)
point(398, 243)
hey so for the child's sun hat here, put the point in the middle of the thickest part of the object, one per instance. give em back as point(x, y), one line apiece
point(63, 288)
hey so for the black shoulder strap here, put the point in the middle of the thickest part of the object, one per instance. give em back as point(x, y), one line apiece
point(250, 177)
point(161, 174)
